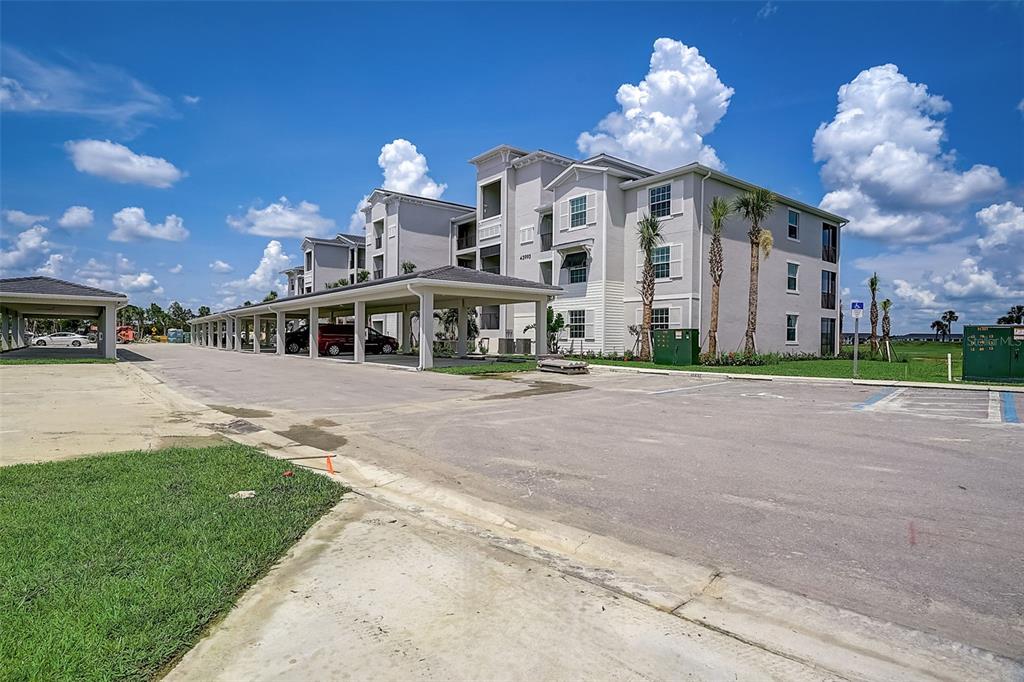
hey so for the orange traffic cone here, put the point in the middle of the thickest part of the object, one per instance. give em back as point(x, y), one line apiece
point(330, 465)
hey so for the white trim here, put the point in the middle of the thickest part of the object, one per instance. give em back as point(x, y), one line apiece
point(532, 232)
point(500, 179)
point(796, 330)
point(569, 213)
point(795, 292)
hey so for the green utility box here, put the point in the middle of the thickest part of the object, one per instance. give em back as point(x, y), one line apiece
point(676, 346)
point(994, 352)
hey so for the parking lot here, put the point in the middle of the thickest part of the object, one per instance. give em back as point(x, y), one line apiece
point(901, 504)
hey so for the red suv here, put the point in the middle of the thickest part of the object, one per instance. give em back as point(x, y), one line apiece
point(335, 339)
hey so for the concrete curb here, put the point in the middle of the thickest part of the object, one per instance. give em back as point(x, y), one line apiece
point(838, 641)
point(807, 380)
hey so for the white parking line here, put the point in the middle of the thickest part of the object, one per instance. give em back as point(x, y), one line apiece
point(688, 388)
point(995, 412)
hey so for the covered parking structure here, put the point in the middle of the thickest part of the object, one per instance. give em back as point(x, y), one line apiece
point(23, 298)
point(256, 327)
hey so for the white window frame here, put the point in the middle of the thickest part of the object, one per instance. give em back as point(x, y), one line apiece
point(788, 224)
point(527, 233)
point(575, 269)
point(581, 325)
point(572, 213)
point(796, 329)
point(668, 318)
point(667, 200)
point(480, 197)
point(667, 263)
point(796, 277)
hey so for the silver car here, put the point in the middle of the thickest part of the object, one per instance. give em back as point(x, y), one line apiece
point(61, 339)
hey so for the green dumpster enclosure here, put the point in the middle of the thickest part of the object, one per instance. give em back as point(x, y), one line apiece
point(676, 346)
point(994, 352)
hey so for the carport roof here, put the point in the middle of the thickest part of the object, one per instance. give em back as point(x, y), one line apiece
point(49, 286)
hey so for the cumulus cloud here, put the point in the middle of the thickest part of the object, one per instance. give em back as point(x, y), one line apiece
point(76, 217)
point(405, 170)
point(176, 270)
point(265, 277)
point(663, 119)
point(221, 266)
point(971, 280)
point(920, 297)
point(130, 224)
point(884, 162)
point(118, 163)
point(142, 282)
point(77, 86)
point(191, 99)
point(1004, 227)
point(282, 219)
point(54, 265)
point(29, 250)
point(22, 219)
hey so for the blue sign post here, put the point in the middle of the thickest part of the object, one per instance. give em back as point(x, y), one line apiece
point(857, 311)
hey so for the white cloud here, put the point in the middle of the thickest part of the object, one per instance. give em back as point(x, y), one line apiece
point(970, 280)
point(176, 270)
point(130, 225)
point(920, 297)
point(884, 162)
point(221, 266)
point(141, 282)
point(54, 265)
point(265, 277)
point(282, 219)
point(191, 99)
point(767, 10)
point(22, 219)
point(29, 250)
point(118, 163)
point(1004, 227)
point(1020, 106)
point(76, 217)
point(78, 87)
point(664, 118)
point(405, 170)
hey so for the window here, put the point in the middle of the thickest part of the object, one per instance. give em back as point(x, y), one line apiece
point(490, 200)
point(309, 260)
point(577, 324)
point(792, 272)
point(828, 289)
point(828, 336)
point(526, 234)
point(578, 275)
point(576, 264)
point(791, 321)
point(829, 243)
point(660, 257)
point(794, 224)
point(659, 318)
point(661, 201)
point(490, 317)
point(578, 212)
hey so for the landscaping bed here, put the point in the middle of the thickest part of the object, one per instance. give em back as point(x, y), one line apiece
point(111, 566)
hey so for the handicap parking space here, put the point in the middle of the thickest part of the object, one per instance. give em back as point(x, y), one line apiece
point(1001, 407)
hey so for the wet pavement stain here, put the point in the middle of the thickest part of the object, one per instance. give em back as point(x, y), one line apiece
point(538, 388)
point(323, 421)
point(236, 426)
point(242, 411)
point(314, 437)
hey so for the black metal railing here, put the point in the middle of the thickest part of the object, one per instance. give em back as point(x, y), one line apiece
point(828, 301)
point(545, 241)
point(378, 241)
point(378, 274)
point(829, 254)
point(466, 242)
point(493, 269)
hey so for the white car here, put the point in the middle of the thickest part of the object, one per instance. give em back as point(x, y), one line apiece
point(61, 339)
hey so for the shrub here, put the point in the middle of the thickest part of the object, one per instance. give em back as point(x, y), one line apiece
point(739, 359)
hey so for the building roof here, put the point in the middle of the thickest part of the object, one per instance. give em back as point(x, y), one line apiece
point(340, 239)
point(294, 268)
point(49, 286)
point(598, 159)
point(515, 151)
point(415, 197)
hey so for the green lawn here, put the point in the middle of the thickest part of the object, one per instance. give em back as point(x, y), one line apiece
point(489, 368)
point(111, 566)
point(55, 361)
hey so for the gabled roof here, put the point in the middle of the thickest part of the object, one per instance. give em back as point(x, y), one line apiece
point(501, 148)
point(381, 194)
point(295, 269)
point(339, 240)
point(587, 168)
point(49, 286)
point(608, 159)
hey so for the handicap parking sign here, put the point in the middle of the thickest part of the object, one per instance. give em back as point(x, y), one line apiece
point(857, 308)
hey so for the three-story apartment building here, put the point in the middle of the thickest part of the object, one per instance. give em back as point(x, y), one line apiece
point(324, 262)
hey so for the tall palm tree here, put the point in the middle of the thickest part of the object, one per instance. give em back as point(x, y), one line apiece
point(649, 237)
point(948, 318)
point(939, 327)
point(719, 210)
point(1014, 316)
point(755, 205)
point(886, 328)
point(873, 287)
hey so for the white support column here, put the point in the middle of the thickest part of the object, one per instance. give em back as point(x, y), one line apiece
point(314, 332)
point(5, 329)
point(108, 331)
point(359, 337)
point(540, 326)
point(19, 330)
point(426, 330)
point(236, 327)
point(255, 333)
point(405, 340)
point(463, 332)
point(280, 333)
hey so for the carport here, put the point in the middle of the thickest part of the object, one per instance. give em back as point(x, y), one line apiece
point(22, 298)
point(418, 294)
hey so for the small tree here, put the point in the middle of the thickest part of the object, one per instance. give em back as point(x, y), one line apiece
point(556, 323)
point(873, 287)
point(948, 318)
point(1014, 316)
point(886, 328)
point(343, 282)
point(247, 304)
point(648, 232)
point(408, 267)
point(362, 275)
point(939, 327)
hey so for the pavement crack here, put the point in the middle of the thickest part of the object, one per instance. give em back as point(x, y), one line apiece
point(582, 542)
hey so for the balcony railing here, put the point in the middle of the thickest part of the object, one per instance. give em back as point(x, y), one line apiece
point(467, 242)
point(829, 255)
point(378, 241)
point(545, 241)
point(493, 269)
point(378, 274)
point(828, 301)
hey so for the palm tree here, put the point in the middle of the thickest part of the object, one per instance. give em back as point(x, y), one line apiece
point(873, 287)
point(408, 267)
point(886, 328)
point(1015, 315)
point(755, 205)
point(272, 296)
point(719, 210)
point(648, 232)
point(939, 327)
point(948, 318)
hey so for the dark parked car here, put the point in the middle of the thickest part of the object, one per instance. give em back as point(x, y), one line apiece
point(335, 339)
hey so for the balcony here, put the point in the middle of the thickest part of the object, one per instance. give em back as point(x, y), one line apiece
point(378, 241)
point(829, 254)
point(828, 301)
point(378, 274)
point(545, 241)
point(489, 228)
point(465, 242)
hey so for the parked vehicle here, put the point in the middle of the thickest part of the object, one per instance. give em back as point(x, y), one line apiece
point(335, 339)
point(61, 339)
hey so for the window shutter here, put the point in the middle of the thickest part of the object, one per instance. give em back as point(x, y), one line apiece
point(677, 196)
point(588, 327)
point(675, 317)
point(641, 202)
point(639, 264)
point(640, 315)
point(675, 260)
point(563, 215)
point(591, 208)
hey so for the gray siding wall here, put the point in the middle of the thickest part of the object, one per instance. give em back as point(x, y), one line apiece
point(330, 263)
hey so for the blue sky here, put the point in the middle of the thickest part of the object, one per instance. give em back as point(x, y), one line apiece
point(205, 116)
